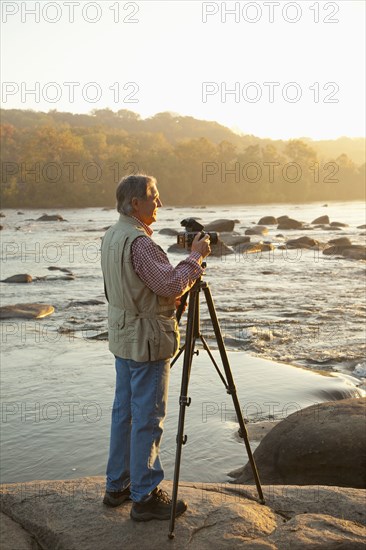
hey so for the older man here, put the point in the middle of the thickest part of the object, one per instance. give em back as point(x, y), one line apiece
point(141, 287)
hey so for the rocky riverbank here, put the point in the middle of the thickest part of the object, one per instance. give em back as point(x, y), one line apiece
point(69, 515)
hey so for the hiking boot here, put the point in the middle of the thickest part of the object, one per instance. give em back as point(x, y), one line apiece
point(116, 498)
point(157, 506)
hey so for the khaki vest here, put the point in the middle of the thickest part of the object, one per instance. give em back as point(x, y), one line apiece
point(141, 325)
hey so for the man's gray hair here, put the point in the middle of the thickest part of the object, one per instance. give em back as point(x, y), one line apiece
point(130, 187)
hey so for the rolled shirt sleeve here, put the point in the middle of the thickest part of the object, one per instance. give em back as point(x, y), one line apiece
point(152, 265)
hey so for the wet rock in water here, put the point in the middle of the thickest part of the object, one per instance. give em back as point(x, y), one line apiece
point(321, 220)
point(51, 218)
point(2, 215)
point(268, 220)
point(100, 336)
point(69, 277)
point(221, 225)
point(257, 230)
point(220, 249)
point(169, 232)
point(354, 251)
point(217, 250)
point(341, 241)
point(252, 248)
point(1, 227)
point(289, 223)
point(361, 226)
point(302, 242)
point(21, 278)
point(98, 229)
point(20, 213)
point(26, 311)
point(338, 224)
point(232, 240)
point(85, 303)
point(324, 444)
point(63, 269)
point(106, 208)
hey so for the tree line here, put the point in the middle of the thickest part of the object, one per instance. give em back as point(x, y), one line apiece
point(65, 160)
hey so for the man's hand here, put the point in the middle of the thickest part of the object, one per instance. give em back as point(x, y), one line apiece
point(201, 245)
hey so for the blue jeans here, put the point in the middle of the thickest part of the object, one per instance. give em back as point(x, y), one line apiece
point(139, 410)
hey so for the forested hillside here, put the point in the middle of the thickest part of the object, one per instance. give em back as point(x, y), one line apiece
point(73, 160)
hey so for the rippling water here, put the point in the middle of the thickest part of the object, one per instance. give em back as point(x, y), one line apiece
point(297, 307)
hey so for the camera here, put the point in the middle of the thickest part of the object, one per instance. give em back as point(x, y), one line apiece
point(185, 238)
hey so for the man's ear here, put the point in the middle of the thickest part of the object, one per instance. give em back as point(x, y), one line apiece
point(135, 204)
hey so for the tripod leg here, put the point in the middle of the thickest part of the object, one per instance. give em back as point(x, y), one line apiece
point(231, 389)
point(184, 400)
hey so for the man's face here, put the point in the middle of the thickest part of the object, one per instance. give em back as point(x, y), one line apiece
point(146, 209)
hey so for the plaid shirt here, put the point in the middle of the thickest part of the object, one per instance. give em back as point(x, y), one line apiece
point(153, 267)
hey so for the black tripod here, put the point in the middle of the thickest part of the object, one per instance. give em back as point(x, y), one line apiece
point(192, 334)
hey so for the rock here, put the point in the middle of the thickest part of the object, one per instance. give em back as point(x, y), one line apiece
point(26, 311)
point(21, 278)
point(217, 250)
point(2, 215)
point(98, 229)
point(341, 241)
point(51, 218)
point(339, 224)
point(168, 231)
point(361, 226)
point(63, 269)
point(354, 251)
point(289, 223)
point(313, 447)
point(257, 230)
point(13, 536)
point(321, 220)
point(69, 515)
point(1, 227)
point(20, 213)
point(232, 240)
point(302, 242)
point(85, 303)
point(252, 248)
point(268, 220)
point(221, 225)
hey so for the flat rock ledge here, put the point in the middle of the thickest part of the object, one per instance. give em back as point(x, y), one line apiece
point(69, 515)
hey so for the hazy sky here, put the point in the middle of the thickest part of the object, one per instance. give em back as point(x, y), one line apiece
point(294, 69)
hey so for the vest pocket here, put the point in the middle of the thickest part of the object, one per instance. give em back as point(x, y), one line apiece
point(168, 338)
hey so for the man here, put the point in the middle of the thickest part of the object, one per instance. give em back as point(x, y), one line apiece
point(142, 289)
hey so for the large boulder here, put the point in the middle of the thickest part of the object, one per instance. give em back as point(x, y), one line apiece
point(69, 515)
point(341, 241)
point(51, 218)
point(268, 220)
point(353, 252)
point(253, 248)
point(321, 220)
point(324, 444)
point(232, 240)
point(257, 230)
point(289, 223)
point(221, 225)
point(338, 224)
point(20, 278)
point(168, 231)
point(302, 242)
point(26, 311)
